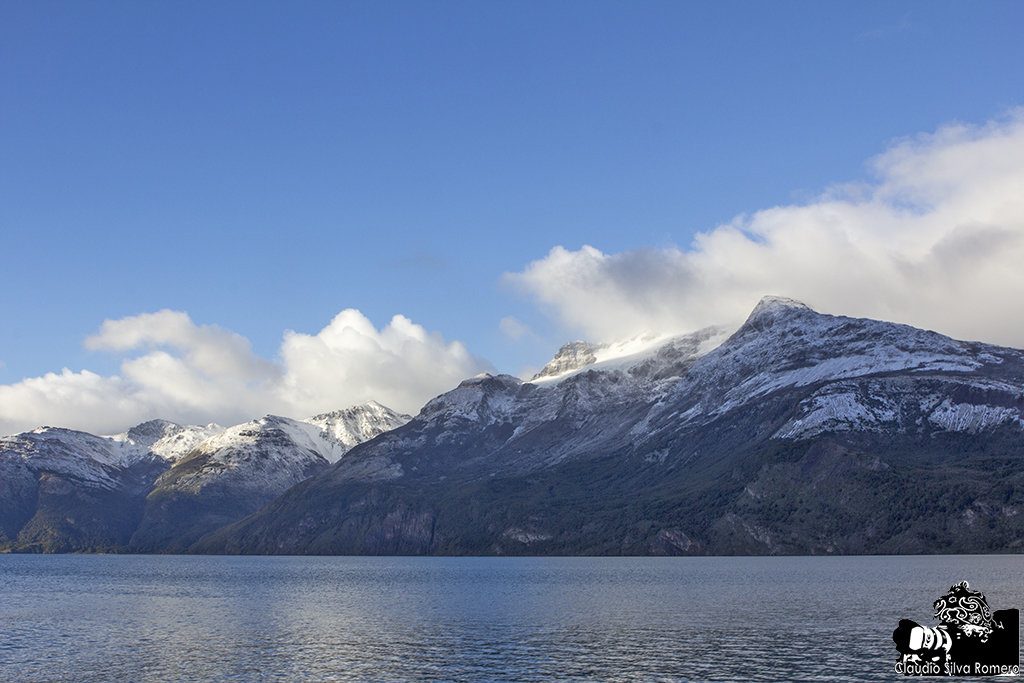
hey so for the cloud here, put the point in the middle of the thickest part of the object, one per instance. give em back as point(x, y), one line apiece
point(66, 399)
point(207, 349)
point(192, 373)
point(349, 362)
point(936, 241)
point(513, 328)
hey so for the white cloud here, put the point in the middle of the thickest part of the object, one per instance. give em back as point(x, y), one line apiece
point(68, 399)
point(349, 362)
point(197, 374)
point(207, 349)
point(937, 242)
point(514, 329)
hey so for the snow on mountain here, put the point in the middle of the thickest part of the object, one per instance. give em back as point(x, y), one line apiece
point(92, 460)
point(98, 460)
point(269, 455)
point(572, 356)
point(862, 374)
point(166, 439)
point(620, 447)
point(883, 404)
point(274, 452)
point(818, 348)
point(968, 417)
point(585, 400)
point(655, 353)
point(847, 374)
point(484, 399)
point(851, 375)
point(234, 473)
point(343, 429)
point(647, 412)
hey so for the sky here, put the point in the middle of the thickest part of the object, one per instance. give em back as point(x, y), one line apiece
point(211, 211)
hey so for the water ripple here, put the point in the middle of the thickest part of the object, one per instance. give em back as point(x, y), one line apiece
point(619, 620)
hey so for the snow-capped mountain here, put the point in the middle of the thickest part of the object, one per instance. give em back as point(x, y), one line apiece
point(63, 490)
point(236, 472)
point(227, 477)
point(99, 461)
point(789, 435)
point(92, 460)
point(269, 455)
point(573, 356)
point(852, 374)
point(556, 415)
point(344, 429)
point(164, 439)
point(50, 468)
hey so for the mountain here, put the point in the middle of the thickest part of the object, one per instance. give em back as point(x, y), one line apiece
point(159, 486)
point(165, 439)
point(798, 433)
point(63, 490)
point(235, 473)
point(344, 429)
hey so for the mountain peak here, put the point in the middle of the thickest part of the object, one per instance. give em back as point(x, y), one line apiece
point(772, 304)
point(487, 379)
point(572, 356)
point(772, 309)
point(346, 428)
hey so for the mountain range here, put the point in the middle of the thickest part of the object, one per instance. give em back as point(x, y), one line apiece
point(160, 486)
point(798, 433)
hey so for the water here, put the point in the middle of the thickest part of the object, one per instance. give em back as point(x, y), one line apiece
point(166, 619)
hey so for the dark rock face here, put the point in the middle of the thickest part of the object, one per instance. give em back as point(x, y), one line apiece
point(802, 433)
point(19, 494)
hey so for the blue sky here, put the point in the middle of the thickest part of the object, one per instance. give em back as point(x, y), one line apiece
point(255, 168)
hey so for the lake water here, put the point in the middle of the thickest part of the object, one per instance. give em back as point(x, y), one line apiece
point(166, 619)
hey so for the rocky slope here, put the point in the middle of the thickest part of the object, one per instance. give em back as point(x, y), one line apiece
point(799, 433)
